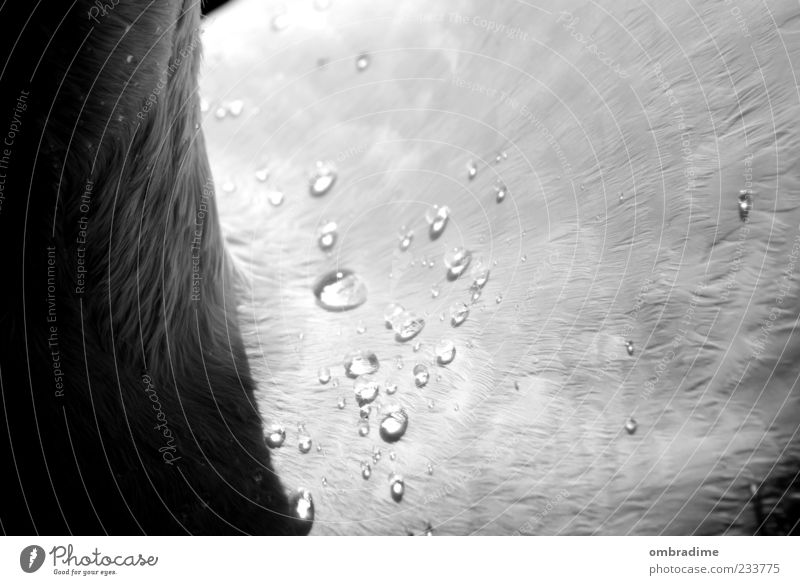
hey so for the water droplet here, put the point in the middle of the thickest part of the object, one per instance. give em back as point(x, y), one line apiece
point(439, 222)
point(405, 240)
point(501, 156)
point(280, 22)
point(304, 444)
point(335, 382)
point(390, 388)
point(365, 411)
point(394, 425)
point(476, 294)
point(428, 530)
point(262, 175)
point(445, 352)
point(275, 437)
point(745, 203)
point(398, 362)
point(275, 197)
point(366, 470)
point(360, 363)
point(397, 487)
point(434, 292)
point(342, 403)
point(324, 482)
point(498, 299)
point(362, 62)
point(500, 192)
point(220, 113)
point(324, 375)
point(421, 375)
point(235, 108)
point(129, 59)
point(416, 346)
point(516, 385)
point(366, 390)
point(322, 179)
point(524, 258)
point(430, 469)
point(431, 404)
point(302, 506)
point(376, 455)
point(391, 313)
point(327, 235)
point(630, 426)
point(621, 197)
point(407, 325)
point(458, 314)
point(472, 170)
point(340, 290)
point(480, 275)
point(363, 428)
point(457, 260)
point(629, 347)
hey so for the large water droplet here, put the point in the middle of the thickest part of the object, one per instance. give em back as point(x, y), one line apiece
point(397, 487)
point(745, 203)
point(324, 375)
point(276, 435)
point(327, 235)
point(360, 363)
point(445, 352)
point(439, 222)
point(362, 62)
point(405, 240)
point(457, 260)
point(340, 290)
point(304, 444)
point(394, 425)
point(391, 313)
point(500, 191)
point(421, 375)
point(407, 325)
point(322, 179)
point(302, 507)
point(458, 314)
point(366, 390)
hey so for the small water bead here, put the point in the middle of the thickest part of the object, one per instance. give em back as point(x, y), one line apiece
point(516, 385)
point(220, 113)
point(472, 170)
point(304, 444)
point(428, 530)
point(745, 203)
point(398, 362)
point(376, 455)
point(408, 325)
point(366, 390)
point(335, 382)
point(262, 175)
point(391, 313)
point(629, 347)
point(405, 240)
point(501, 156)
point(324, 375)
point(524, 258)
point(228, 187)
point(397, 487)
point(434, 292)
point(360, 363)
point(340, 290)
point(342, 403)
point(430, 469)
point(324, 482)
point(275, 197)
point(361, 328)
point(235, 108)
point(475, 296)
point(445, 352)
point(431, 404)
point(302, 506)
point(390, 388)
point(631, 425)
point(328, 234)
point(322, 179)
point(498, 299)
point(500, 192)
point(416, 346)
point(363, 428)
point(362, 62)
point(392, 455)
point(457, 261)
point(275, 437)
point(394, 425)
point(480, 275)
point(439, 222)
point(366, 470)
point(364, 411)
point(421, 375)
point(458, 314)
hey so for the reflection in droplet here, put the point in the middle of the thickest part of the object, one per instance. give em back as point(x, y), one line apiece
point(360, 363)
point(407, 325)
point(458, 314)
point(439, 222)
point(394, 425)
point(445, 352)
point(276, 435)
point(304, 444)
point(456, 260)
point(322, 179)
point(340, 290)
point(397, 487)
point(421, 375)
point(366, 390)
point(302, 507)
point(327, 235)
